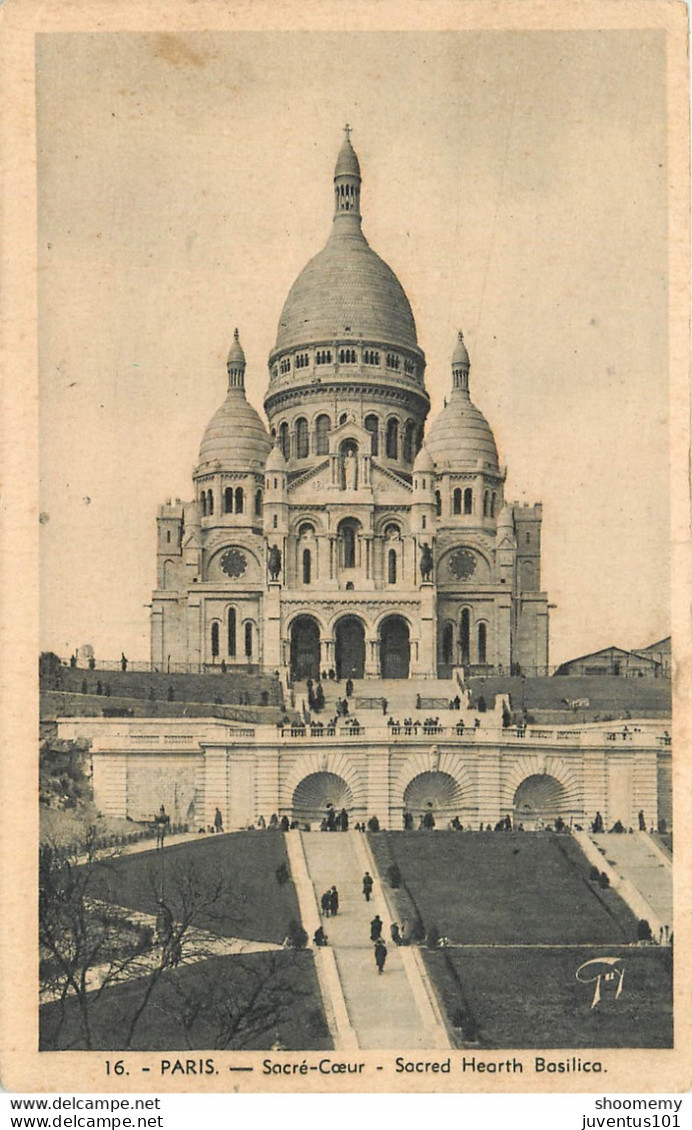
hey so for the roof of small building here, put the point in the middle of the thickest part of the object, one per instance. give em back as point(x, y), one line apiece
point(424, 460)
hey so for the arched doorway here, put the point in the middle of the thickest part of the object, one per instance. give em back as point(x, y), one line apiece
point(434, 792)
point(350, 648)
point(317, 793)
point(305, 648)
point(395, 648)
point(538, 800)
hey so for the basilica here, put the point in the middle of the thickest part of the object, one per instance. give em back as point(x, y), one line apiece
point(345, 535)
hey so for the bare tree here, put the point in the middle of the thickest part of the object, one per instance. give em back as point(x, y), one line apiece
point(87, 945)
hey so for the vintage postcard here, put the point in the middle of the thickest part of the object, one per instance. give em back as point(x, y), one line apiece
point(346, 506)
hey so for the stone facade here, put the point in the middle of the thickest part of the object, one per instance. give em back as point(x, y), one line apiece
point(479, 776)
point(343, 537)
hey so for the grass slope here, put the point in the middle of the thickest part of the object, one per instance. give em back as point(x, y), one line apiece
point(257, 906)
point(509, 887)
point(532, 999)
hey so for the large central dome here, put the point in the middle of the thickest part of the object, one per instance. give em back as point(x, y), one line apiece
point(346, 290)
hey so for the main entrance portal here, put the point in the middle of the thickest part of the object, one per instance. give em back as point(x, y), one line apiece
point(317, 793)
point(395, 648)
point(305, 648)
point(350, 648)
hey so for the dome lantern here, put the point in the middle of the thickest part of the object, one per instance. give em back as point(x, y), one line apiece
point(347, 180)
point(235, 365)
point(460, 365)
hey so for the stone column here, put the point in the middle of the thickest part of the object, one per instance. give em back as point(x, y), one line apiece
point(424, 661)
point(272, 626)
point(372, 667)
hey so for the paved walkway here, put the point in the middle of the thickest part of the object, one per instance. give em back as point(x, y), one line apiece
point(391, 1010)
point(635, 857)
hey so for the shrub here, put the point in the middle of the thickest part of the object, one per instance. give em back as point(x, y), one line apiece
point(282, 874)
point(603, 880)
point(643, 930)
point(394, 875)
point(296, 936)
point(432, 938)
point(373, 824)
point(594, 873)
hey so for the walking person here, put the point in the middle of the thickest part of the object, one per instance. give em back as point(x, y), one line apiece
point(376, 929)
point(218, 821)
point(334, 901)
point(380, 955)
point(367, 885)
point(326, 903)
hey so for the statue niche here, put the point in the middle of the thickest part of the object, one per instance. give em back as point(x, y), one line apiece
point(349, 465)
point(274, 563)
point(426, 562)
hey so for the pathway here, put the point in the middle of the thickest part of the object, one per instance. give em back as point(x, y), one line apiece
point(635, 857)
point(392, 1010)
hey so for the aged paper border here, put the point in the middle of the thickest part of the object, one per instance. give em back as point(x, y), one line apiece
point(21, 1066)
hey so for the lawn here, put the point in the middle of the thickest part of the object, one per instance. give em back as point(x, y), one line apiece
point(530, 998)
point(252, 904)
point(252, 1002)
point(509, 888)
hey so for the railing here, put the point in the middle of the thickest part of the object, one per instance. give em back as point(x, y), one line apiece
point(418, 731)
point(143, 666)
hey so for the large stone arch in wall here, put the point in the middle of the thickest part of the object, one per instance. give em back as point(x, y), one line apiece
point(332, 763)
point(316, 794)
point(395, 646)
point(536, 784)
point(443, 778)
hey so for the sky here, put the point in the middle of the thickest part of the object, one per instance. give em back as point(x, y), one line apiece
point(516, 183)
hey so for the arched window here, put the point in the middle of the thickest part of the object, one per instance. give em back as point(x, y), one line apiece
point(301, 438)
point(307, 567)
point(372, 425)
point(457, 501)
point(283, 440)
point(322, 429)
point(214, 640)
point(343, 418)
point(203, 500)
point(493, 501)
point(438, 503)
point(486, 504)
point(391, 567)
point(228, 500)
point(407, 448)
point(248, 640)
point(231, 633)
point(392, 438)
point(482, 642)
point(306, 530)
point(275, 521)
point(468, 501)
point(448, 643)
point(465, 636)
point(258, 503)
point(239, 500)
point(210, 501)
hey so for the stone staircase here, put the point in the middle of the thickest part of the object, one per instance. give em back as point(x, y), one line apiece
point(639, 866)
point(391, 1010)
point(400, 694)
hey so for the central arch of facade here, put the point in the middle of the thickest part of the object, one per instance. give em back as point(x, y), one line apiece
point(349, 647)
point(317, 793)
point(395, 648)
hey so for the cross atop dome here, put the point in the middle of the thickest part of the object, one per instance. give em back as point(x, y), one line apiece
point(347, 131)
point(347, 179)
